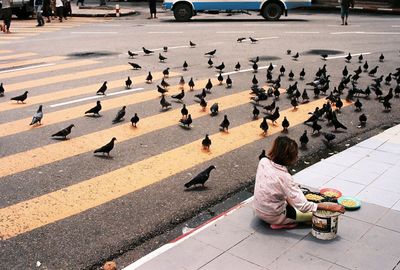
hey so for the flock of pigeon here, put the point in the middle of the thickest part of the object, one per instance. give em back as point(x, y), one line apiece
point(319, 86)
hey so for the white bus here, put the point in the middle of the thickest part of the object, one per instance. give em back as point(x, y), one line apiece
point(272, 10)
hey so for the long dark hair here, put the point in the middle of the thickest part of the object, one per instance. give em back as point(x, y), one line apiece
point(284, 151)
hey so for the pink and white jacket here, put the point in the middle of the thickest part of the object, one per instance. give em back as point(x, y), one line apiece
point(275, 188)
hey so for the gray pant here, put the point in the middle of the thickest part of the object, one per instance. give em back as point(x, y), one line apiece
point(38, 11)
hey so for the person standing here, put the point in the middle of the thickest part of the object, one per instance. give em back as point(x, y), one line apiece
point(60, 9)
point(153, 9)
point(6, 14)
point(47, 10)
point(38, 5)
point(344, 9)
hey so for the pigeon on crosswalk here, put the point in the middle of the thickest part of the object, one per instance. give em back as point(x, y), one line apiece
point(179, 96)
point(329, 137)
point(146, 51)
point(228, 82)
point(256, 112)
point(95, 110)
point(128, 83)
point(184, 111)
point(134, 120)
point(211, 53)
point(64, 132)
point(120, 115)
point(201, 178)
point(102, 90)
point(132, 54)
point(225, 124)
point(206, 143)
point(1, 90)
point(291, 75)
point(253, 40)
point(161, 90)
point(360, 58)
point(37, 117)
point(166, 72)
point(210, 63)
point(304, 140)
point(381, 58)
point(296, 56)
point(21, 98)
point(302, 74)
point(209, 86)
point(106, 149)
point(324, 56)
point(264, 126)
point(149, 78)
point(220, 67)
point(214, 109)
point(191, 84)
point(237, 66)
point(262, 155)
point(192, 45)
point(164, 103)
point(162, 58)
point(165, 49)
point(135, 66)
point(186, 122)
point(203, 104)
point(164, 83)
point(348, 58)
point(181, 82)
point(241, 39)
point(185, 66)
point(285, 125)
point(373, 71)
point(220, 78)
point(363, 120)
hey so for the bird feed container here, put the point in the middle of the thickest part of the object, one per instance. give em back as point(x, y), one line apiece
point(271, 10)
point(325, 224)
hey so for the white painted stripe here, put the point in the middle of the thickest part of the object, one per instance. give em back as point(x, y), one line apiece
point(361, 8)
point(343, 56)
point(25, 68)
point(262, 38)
point(100, 33)
point(171, 32)
point(243, 70)
point(385, 9)
point(235, 32)
point(94, 97)
point(366, 33)
point(169, 48)
point(301, 32)
point(396, 26)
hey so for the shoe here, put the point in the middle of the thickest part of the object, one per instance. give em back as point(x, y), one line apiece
point(345, 23)
point(283, 226)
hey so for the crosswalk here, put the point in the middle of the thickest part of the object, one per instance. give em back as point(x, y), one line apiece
point(39, 209)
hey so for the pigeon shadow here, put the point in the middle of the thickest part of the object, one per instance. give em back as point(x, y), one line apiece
point(104, 157)
point(59, 138)
point(92, 115)
point(197, 189)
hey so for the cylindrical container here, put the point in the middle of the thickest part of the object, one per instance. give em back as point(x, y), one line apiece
point(325, 224)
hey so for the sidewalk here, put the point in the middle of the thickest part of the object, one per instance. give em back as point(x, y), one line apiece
point(368, 238)
point(92, 8)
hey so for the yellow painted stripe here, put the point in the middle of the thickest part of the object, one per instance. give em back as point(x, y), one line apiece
point(19, 55)
point(31, 61)
point(40, 211)
point(12, 37)
point(5, 51)
point(25, 34)
point(47, 69)
point(54, 152)
point(14, 127)
point(31, 30)
point(67, 93)
point(66, 77)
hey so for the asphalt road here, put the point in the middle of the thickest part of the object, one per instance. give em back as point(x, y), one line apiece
point(68, 209)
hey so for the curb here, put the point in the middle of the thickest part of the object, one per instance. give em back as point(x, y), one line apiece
point(389, 11)
point(185, 236)
point(113, 15)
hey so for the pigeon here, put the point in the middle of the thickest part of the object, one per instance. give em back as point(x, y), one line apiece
point(363, 120)
point(203, 104)
point(106, 149)
point(220, 79)
point(304, 140)
point(181, 82)
point(228, 82)
point(329, 137)
point(277, 93)
point(211, 53)
point(373, 71)
point(348, 58)
point(256, 112)
point(255, 60)
point(135, 66)
point(120, 115)
point(269, 76)
point(132, 54)
point(191, 84)
point(302, 74)
point(209, 85)
point(270, 67)
point(164, 83)
point(210, 63)
point(164, 103)
point(388, 79)
point(296, 56)
point(1, 90)
point(146, 51)
point(134, 120)
point(365, 66)
point(262, 155)
point(381, 58)
point(202, 94)
point(185, 66)
point(166, 72)
point(324, 56)
point(291, 75)
point(201, 178)
point(161, 90)
point(186, 122)
point(220, 67)
point(294, 103)
point(240, 40)
point(64, 132)
point(288, 52)
point(191, 44)
point(270, 107)
point(339, 104)
point(149, 78)
point(255, 68)
point(358, 71)
point(37, 117)
point(128, 83)
point(225, 124)
point(102, 90)
point(387, 105)
point(360, 58)
point(345, 72)
point(304, 96)
point(162, 58)
point(21, 98)
point(237, 66)
point(179, 96)
point(316, 127)
point(206, 142)
point(285, 125)
point(264, 125)
point(165, 49)
point(358, 105)
point(184, 111)
point(253, 40)
point(96, 109)
point(254, 81)
point(336, 123)
point(214, 109)
point(274, 116)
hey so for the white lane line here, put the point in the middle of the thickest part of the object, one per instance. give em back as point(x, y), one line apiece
point(169, 48)
point(396, 26)
point(235, 32)
point(171, 32)
point(341, 26)
point(94, 97)
point(243, 70)
point(301, 32)
point(25, 68)
point(366, 33)
point(94, 33)
point(343, 56)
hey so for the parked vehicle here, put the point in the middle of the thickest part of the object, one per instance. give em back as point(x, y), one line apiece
point(272, 10)
point(22, 8)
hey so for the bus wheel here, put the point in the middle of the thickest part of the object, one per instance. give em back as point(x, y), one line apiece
point(183, 12)
point(272, 12)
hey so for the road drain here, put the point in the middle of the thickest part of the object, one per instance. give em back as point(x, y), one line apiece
point(323, 51)
point(91, 54)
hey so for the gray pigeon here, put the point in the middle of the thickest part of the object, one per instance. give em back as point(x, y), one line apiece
point(37, 117)
point(120, 115)
point(64, 132)
point(1, 90)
